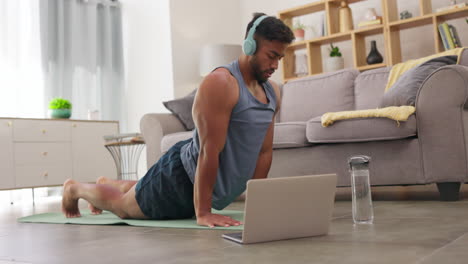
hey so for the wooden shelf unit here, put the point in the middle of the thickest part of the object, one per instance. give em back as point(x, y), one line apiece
point(390, 29)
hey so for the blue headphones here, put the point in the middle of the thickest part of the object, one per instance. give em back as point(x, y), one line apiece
point(250, 45)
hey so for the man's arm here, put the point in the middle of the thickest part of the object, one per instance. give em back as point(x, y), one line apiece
point(266, 153)
point(212, 109)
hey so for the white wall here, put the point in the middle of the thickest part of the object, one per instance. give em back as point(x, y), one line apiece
point(194, 24)
point(148, 61)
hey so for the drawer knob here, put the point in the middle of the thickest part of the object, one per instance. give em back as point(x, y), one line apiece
point(46, 174)
point(74, 125)
point(43, 131)
point(9, 123)
point(44, 153)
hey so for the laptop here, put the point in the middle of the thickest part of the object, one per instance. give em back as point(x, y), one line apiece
point(286, 208)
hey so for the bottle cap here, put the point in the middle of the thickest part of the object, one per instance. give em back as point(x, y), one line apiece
point(358, 160)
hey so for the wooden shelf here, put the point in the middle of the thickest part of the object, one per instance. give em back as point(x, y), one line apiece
point(298, 44)
point(303, 10)
point(412, 22)
point(370, 30)
point(338, 37)
point(310, 8)
point(349, 1)
point(389, 29)
point(452, 14)
point(371, 67)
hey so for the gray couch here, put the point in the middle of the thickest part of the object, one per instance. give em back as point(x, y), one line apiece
point(431, 147)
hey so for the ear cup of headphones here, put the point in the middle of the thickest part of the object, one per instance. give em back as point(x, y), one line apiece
point(249, 46)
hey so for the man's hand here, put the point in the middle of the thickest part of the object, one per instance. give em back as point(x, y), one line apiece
point(212, 220)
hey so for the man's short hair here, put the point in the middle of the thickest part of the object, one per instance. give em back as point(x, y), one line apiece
point(271, 28)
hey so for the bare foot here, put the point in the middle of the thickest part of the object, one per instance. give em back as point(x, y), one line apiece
point(94, 209)
point(102, 180)
point(69, 203)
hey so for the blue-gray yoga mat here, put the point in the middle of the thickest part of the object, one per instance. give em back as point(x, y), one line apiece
point(108, 218)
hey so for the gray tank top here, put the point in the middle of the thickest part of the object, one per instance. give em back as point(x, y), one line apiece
point(248, 125)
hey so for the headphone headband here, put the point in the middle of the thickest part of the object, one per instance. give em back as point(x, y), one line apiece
point(255, 25)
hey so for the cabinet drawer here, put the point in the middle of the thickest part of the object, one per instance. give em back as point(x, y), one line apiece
point(32, 153)
point(33, 176)
point(41, 130)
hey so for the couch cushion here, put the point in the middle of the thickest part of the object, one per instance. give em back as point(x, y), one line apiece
point(369, 88)
point(359, 130)
point(287, 135)
point(463, 60)
point(404, 90)
point(169, 140)
point(290, 135)
point(182, 108)
point(313, 96)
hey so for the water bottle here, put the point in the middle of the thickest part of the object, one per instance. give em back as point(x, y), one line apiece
point(361, 192)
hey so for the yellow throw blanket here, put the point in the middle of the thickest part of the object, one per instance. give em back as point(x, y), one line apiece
point(397, 113)
point(400, 68)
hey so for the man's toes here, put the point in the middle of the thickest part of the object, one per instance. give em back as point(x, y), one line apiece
point(94, 210)
point(101, 180)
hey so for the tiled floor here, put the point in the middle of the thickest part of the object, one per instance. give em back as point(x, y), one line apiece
point(410, 227)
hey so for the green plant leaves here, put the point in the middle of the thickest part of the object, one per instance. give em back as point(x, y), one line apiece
point(334, 51)
point(59, 103)
point(298, 25)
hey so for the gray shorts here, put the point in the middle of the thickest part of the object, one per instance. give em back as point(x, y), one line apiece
point(166, 192)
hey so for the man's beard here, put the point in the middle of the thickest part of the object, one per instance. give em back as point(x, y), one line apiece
point(258, 73)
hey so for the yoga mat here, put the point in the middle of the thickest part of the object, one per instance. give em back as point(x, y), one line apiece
point(108, 218)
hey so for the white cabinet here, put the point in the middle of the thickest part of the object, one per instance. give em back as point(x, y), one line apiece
point(7, 172)
point(90, 158)
point(42, 163)
point(46, 152)
point(41, 130)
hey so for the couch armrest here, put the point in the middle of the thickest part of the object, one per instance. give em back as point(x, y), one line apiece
point(153, 128)
point(442, 122)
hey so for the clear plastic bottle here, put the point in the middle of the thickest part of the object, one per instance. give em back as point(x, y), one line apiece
point(363, 212)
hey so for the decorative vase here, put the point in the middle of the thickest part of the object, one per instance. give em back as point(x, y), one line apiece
point(334, 64)
point(299, 34)
point(346, 17)
point(60, 113)
point(374, 56)
point(370, 14)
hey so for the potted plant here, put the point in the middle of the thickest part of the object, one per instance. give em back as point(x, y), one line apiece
point(335, 61)
point(60, 108)
point(299, 30)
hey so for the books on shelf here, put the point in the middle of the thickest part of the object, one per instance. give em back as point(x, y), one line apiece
point(366, 23)
point(456, 38)
point(449, 36)
point(446, 8)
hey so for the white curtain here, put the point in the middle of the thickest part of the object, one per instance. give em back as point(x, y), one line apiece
point(83, 55)
point(61, 48)
point(21, 75)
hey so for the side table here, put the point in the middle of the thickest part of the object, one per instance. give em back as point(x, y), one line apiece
point(126, 150)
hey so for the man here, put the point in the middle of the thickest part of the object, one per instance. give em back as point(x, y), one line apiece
point(234, 112)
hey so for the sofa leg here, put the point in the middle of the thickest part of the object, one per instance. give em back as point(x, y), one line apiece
point(449, 191)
